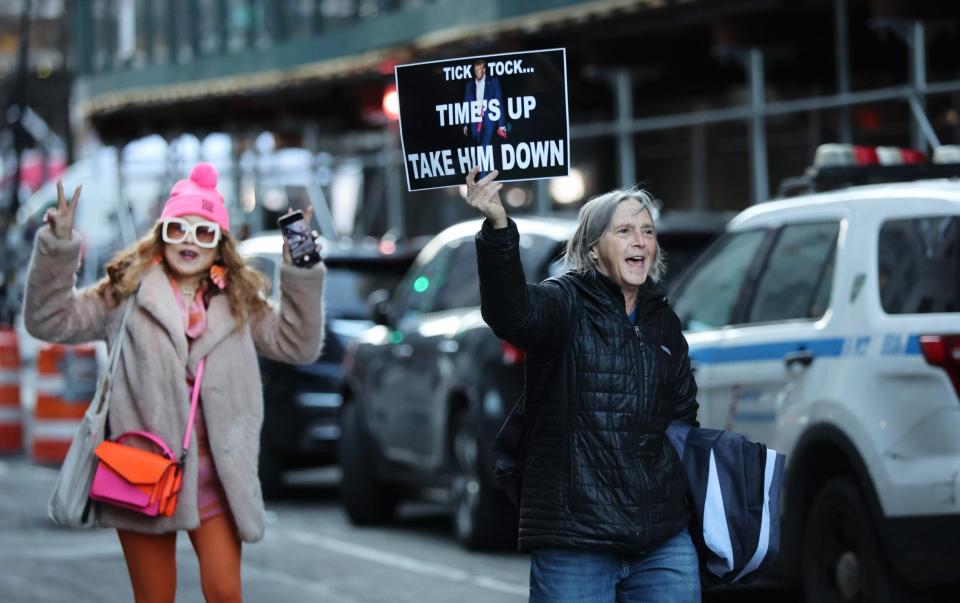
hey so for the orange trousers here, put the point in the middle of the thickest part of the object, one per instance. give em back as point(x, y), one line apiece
point(152, 562)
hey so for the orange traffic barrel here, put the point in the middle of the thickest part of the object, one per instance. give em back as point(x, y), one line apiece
point(66, 382)
point(11, 422)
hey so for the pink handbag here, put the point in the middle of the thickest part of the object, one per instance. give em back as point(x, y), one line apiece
point(140, 480)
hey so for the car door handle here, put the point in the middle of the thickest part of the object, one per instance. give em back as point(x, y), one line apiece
point(802, 358)
point(448, 346)
point(402, 350)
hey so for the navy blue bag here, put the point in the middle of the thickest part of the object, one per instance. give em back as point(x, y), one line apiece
point(733, 486)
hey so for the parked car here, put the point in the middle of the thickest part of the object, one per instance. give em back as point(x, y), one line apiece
point(302, 402)
point(826, 326)
point(425, 392)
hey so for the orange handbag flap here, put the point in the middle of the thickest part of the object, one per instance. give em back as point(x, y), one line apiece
point(162, 490)
point(168, 508)
point(134, 465)
point(169, 481)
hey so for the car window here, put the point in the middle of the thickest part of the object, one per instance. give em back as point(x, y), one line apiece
point(680, 250)
point(919, 265)
point(542, 257)
point(419, 291)
point(268, 266)
point(460, 281)
point(705, 299)
point(795, 283)
point(462, 288)
point(350, 283)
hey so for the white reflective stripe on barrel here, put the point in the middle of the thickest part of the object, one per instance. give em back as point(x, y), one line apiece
point(10, 414)
point(9, 377)
point(58, 429)
point(49, 385)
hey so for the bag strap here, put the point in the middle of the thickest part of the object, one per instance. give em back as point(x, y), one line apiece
point(148, 436)
point(195, 397)
point(106, 381)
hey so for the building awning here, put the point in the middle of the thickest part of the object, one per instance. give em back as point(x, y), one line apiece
point(414, 37)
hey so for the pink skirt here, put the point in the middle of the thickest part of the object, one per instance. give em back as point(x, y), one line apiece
point(211, 499)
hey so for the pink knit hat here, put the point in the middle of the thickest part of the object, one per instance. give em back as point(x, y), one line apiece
point(198, 196)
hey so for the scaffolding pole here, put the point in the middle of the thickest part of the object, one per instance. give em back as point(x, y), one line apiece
point(743, 112)
point(842, 51)
point(758, 133)
point(623, 86)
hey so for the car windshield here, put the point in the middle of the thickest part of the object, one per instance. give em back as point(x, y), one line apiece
point(348, 285)
point(680, 250)
point(350, 280)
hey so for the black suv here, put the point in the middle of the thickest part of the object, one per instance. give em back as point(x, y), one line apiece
point(426, 390)
point(302, 402)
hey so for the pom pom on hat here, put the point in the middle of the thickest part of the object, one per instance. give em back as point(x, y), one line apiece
point(204, 175)
point(198, 196)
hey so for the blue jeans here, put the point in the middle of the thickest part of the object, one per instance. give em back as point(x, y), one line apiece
point(566, 575)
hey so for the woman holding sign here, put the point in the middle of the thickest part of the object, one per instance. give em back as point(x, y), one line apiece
point(602, 507)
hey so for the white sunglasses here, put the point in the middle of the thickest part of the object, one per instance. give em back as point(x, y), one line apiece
point(205, 234)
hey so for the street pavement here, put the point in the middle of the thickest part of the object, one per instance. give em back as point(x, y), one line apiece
point(310, 553)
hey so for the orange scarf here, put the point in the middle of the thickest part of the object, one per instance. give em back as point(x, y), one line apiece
point(195, 316)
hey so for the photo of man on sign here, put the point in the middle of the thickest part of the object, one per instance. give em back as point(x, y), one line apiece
point(506, 112)
point(486, 102)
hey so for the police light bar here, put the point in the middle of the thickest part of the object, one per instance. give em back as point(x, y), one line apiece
point(948, 153)
point(834, 154)
point(838, 165)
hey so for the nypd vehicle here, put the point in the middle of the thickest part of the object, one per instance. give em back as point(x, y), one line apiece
point(827, 325)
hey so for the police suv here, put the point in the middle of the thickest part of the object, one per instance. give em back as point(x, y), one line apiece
point(827, 326)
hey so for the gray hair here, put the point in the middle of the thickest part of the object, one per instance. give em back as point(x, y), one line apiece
point(594, 219)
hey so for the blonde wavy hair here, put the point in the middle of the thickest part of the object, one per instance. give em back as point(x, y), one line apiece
point(246, 288)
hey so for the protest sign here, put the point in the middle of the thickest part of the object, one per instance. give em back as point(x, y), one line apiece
point(505, 111)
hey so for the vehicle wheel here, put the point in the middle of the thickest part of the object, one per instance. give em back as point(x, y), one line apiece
point(271, 473)
point(365, 499)
point(483, 517)
point(842, 560)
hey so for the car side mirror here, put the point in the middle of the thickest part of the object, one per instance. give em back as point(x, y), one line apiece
point(379, 307)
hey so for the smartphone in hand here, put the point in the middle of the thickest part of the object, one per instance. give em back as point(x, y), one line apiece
point(296, 232)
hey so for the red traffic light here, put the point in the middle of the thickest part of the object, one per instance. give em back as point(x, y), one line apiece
point(391, 102)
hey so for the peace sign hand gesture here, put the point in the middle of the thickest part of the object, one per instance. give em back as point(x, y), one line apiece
point(61, 219)
point(484, 194)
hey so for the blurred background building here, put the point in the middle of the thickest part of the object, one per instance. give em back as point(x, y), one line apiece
point(709, 103)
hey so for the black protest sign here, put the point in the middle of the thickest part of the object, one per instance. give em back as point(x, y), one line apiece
point(506, 112)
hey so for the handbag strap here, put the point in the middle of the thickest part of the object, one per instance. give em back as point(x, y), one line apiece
point(106, 382)
point(112, 369)
point(148, 436)
point(195, 397)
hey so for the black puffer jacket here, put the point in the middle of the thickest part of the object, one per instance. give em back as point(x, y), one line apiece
point(598, 472)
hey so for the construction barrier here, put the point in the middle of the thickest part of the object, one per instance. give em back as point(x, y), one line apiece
point(11, 421)
point(66, 382)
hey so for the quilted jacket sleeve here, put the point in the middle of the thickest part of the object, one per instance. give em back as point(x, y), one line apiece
point(528, 316)
point(684, 384)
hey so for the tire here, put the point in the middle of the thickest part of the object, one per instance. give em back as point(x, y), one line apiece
point(366, 500)
point(482, 516)
point(842, 558)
